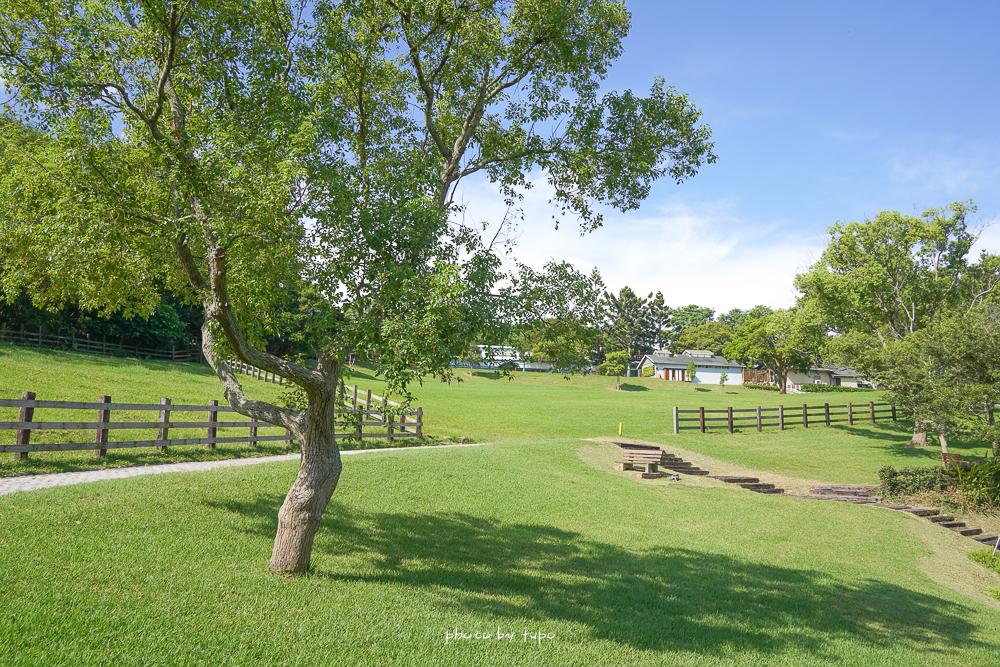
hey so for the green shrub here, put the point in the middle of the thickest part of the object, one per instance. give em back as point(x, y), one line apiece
point(648, 371)
point(911, 481)
point(980, 485)
point(820, 388)
point(764, 387)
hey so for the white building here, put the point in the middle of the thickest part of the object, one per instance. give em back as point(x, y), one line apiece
point(708, 367)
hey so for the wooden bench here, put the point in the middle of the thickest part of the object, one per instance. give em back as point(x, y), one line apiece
point(955, 460)
point(650, 458)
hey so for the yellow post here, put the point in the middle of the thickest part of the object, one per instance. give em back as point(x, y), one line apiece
point(619, 429)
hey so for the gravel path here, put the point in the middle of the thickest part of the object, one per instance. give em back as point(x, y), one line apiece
point(32, 482)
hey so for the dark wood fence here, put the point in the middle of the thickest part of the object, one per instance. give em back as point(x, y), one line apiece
point(94, 346)
point(783, 416)
point(368, 420)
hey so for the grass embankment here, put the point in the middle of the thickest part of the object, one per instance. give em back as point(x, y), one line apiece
point(523, 537)
point(484, 407)
point(541, 405)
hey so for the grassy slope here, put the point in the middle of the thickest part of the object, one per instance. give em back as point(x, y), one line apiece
point(170, 570)
point(536, 406)
point(539, 406)
point(70, 376)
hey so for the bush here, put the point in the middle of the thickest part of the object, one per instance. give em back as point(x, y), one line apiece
point(980, 485)
point(911, 481)
point(764, 387)
point(648, 371)
point(820, 388)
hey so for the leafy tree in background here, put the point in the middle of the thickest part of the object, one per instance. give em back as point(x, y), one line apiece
point(783, 341)
point(948, 374)
point(723, 378)
point(711, 336)
point(692, 371)
point(617, 364)
point(736, 317)
point(687, 317)
point(558, 314)
point(189, 143)
point(883, 279)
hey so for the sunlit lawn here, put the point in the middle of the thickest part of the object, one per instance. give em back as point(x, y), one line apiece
point(523, 537)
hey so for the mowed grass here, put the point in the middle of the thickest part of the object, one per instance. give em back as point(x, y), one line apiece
point(69, 376)
point(522, 537)
point(484, 407)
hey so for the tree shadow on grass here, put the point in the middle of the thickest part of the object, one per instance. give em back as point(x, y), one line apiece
point(894, 438)
point(663, 598)
point(633, 387)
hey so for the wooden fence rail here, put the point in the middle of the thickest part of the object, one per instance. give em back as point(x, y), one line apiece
point(782, 416)
point(95, 346)
point(366, 421)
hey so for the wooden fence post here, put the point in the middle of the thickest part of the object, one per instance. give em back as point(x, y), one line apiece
point(760, 427)
point(24, 434)
point(252, 439)
point(781, 417)
point(101, 435)
point(805, 415)
point(385, 406)
point(676, 422)
point(213, 417)
point(288, 436)
point(850, 414)
point(826, 412)
point(893, 412)
point(420, 422)
point(729, 415)
point(701, 418)
point(402, 423)
point(163, 433)
point(871, 410)
point(354, 397)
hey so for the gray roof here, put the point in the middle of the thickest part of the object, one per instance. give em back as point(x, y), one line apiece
point(682, 360)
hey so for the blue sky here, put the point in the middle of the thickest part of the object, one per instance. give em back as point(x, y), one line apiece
point(820, 112)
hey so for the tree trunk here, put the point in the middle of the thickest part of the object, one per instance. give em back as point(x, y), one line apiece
point(319, 472)
point(920, 428)
point(943, 439)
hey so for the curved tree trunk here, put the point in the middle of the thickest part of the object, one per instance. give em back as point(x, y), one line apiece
point(943, 439)
point(300, 514)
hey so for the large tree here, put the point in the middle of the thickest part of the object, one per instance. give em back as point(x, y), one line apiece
point(711, 336)
point(948, 373)
point(227, 149)
point(881, 280)
point(781, 342)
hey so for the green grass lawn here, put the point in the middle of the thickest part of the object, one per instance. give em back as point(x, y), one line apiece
point(484, 407)
point(537, 533)
point(522, 537)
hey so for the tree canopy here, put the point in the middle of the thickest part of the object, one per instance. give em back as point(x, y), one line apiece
point(783, 341)
point(226, 150)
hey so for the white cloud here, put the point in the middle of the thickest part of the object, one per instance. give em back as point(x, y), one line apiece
point(703, 254)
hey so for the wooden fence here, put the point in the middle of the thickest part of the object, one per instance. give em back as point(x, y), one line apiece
point(94, 346)
point(368, 420)
point(782, 416)
point(378, 406)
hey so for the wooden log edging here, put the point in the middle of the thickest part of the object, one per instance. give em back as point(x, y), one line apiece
point(759, 418)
